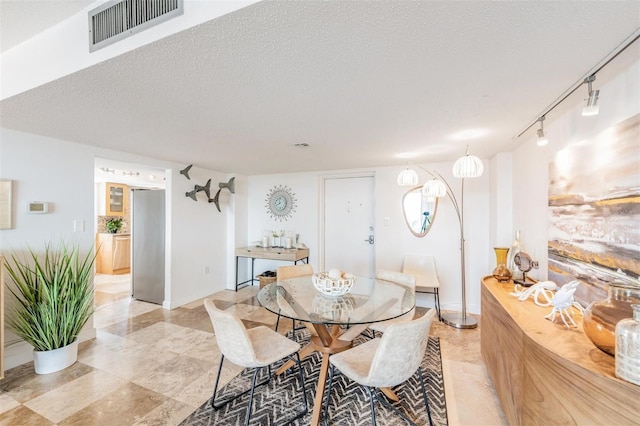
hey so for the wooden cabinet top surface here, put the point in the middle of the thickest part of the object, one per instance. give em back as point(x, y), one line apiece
point(272, 253)
point(571, 345)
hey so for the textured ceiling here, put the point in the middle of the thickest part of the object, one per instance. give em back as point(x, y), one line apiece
point(361, 82)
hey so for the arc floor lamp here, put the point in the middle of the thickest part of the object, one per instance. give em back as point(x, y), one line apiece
point(468, 166)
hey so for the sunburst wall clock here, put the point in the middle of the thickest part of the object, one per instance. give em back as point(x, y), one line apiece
point(280, 202)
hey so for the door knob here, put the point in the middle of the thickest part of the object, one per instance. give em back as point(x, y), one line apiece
point(370, 239)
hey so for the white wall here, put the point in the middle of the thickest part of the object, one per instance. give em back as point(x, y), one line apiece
point(619, 100)
point(199, 238)
point(39, 172)
point(62, 173)
point(303, 221)
point(395, 240)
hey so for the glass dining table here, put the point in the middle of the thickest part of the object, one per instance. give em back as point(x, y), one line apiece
point(334, 321)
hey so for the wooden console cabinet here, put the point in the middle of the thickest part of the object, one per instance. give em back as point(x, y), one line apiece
point(545, 373)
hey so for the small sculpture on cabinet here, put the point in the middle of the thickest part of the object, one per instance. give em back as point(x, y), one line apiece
point(563, 302)
point(525, 264)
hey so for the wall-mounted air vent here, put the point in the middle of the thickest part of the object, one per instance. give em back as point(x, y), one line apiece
point(119, 19)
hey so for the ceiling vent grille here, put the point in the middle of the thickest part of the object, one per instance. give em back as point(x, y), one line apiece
point(119, 19)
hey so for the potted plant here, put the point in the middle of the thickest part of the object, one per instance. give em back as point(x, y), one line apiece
point(54, 300)
point(114, 225)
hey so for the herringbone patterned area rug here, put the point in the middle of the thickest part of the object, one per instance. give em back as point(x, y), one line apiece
point(281, 399)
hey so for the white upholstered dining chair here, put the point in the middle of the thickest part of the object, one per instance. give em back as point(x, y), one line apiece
point(405, 280)
point(424, 269)
point(293, 271)
point(250, 348)
point(386, 362)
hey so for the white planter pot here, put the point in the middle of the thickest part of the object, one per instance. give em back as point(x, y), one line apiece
point(46, 362)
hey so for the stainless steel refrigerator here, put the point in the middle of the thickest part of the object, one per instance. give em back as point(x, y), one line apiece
point(147, 244)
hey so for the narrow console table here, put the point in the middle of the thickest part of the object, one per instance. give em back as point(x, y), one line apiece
point(545, 373)
point(269, 253)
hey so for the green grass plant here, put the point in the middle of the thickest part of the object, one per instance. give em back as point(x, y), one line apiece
point(54, 294)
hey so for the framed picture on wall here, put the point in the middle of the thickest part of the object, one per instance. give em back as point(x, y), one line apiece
point(594, 211)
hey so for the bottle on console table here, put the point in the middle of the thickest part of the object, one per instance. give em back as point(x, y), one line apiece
point(628, 348)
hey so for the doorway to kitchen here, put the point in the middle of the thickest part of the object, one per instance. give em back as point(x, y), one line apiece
point(113, 185)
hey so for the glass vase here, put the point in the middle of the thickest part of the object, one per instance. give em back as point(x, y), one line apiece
point(511, 263)
point(628, 348)
point(501, 272)
point(602, 316)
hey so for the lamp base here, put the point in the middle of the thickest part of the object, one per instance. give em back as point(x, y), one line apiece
point(456, 320)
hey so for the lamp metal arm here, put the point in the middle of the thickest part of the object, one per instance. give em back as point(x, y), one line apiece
point(450, 194)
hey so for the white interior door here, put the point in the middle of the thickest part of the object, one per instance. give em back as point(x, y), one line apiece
point(348, 225)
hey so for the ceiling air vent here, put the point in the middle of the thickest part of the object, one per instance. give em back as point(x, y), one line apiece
point(119, 19)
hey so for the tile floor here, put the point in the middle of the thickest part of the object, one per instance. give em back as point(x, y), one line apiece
point(148, 366)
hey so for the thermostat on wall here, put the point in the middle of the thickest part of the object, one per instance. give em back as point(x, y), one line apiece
point(37, 207)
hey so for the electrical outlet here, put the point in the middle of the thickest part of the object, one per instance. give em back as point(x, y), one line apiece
point(206, 270)
point(386, 221)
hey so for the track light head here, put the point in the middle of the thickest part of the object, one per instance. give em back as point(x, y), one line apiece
point(592, 107)
point(542, 139)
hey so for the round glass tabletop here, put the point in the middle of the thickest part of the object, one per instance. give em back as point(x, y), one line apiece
point(369, 300)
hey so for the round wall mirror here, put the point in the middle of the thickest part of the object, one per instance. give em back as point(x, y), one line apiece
point(419, 211)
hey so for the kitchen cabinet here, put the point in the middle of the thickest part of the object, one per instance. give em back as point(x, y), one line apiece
point(117, 199)
point(112, 199)
point(114, 255)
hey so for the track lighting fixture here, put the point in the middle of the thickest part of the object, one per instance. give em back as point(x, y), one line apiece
point(542, 139)
point(592, 107)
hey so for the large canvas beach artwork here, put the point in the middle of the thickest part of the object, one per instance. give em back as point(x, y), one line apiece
point(594, 208)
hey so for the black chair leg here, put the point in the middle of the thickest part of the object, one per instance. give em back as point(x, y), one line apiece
point(304, 389)
point(328, 396)
point(436, 298)
point(293, 330)
point(277, 322)
point(398, 411)
point(424, 395)
point(253, 386)
point(215, 387)
point(372, 405)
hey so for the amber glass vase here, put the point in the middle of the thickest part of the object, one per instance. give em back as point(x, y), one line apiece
point(501, 272)
point(602, 316)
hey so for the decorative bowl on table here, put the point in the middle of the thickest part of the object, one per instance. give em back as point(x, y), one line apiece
point(333, 284)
